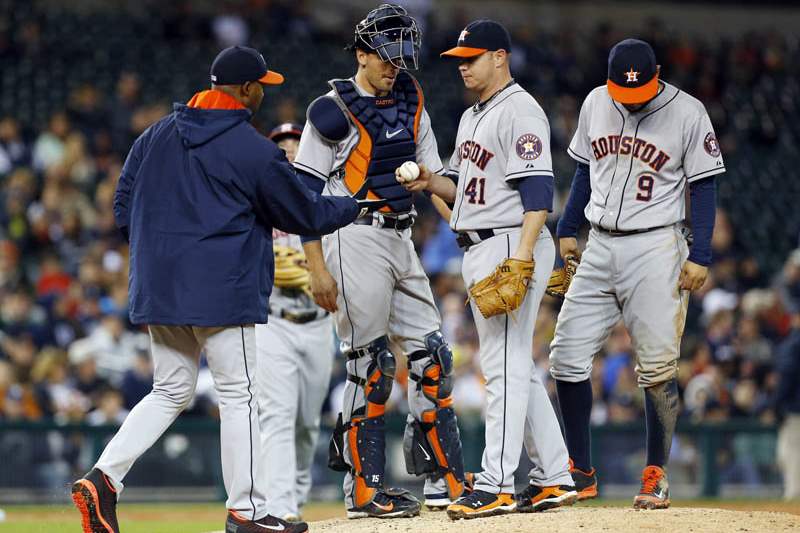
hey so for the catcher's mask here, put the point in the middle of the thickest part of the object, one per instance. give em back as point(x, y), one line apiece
point(392, 33)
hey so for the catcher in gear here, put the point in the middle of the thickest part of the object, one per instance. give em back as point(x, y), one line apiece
point(371, 277)
point(499, 185)
point(295, 353)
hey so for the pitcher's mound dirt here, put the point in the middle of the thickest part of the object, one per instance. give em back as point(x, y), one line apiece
point(577, 520)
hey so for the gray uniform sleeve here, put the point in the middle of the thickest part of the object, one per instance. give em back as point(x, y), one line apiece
point(427, 149)
point(703, 157)
point(315, 155)
point(579, 149)
point(528, 139)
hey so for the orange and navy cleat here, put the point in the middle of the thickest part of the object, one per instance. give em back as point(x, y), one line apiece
point(654, 493)
point(387, 503)
point(585, 482)
point(96, 499)
point(236, 523)
point(536, 498)
point(479, 503)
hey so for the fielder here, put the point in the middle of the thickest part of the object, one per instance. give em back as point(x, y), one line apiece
point(500, 187)
point(369, 274)
point(639, 142)
point(295, 358)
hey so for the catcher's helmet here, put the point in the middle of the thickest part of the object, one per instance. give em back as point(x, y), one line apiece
point(392, 33)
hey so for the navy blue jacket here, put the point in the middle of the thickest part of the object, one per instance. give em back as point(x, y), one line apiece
point(198, 197)
point(787, 364)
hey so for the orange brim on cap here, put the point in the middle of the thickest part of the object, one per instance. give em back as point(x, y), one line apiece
point(271, 78)
point(464, 51)
point(633, 95)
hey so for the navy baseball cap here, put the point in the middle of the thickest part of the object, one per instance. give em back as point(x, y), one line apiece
point(480, 36)
point(287, 129)
point(632, 72)
point(239, 64)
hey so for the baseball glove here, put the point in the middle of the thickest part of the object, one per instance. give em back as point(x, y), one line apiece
point(503, 290)
point(291, 270)
point(561, 278)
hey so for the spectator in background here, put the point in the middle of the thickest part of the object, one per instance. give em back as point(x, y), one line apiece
point(13, 150)
point(126, 101)
point(112, 346)
point(138, 380)
point(49, 147)
point(110, 409)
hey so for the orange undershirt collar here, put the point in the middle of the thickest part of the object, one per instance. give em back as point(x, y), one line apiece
point(214, 99)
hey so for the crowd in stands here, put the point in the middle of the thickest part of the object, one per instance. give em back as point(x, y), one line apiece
point(68, 352)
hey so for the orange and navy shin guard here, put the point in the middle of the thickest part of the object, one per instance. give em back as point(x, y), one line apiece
point(366, 436)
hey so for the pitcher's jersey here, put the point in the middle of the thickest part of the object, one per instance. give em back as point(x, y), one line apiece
point(294, 301)
point(502, 140)
point(640, 162)
point(322, 159)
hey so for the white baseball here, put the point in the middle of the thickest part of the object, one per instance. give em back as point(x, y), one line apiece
point(408, 172)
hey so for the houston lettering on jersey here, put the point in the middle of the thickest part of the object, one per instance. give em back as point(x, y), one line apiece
point(640, 148)
point(475, 153)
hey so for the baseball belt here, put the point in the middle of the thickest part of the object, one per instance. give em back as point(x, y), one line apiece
point(465, 239)
point(379, 220)
point(298, 317)
point(616, 233)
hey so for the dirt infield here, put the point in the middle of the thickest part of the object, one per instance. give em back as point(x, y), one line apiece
point(578, 519)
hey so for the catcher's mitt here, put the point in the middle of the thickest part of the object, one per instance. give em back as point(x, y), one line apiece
point(503, 290)
point(291, 271)
point(562, 277)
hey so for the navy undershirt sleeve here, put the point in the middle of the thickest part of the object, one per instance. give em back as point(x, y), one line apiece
point(316, 185)
point(573, 217)
point(536, 192)
point(702, 194)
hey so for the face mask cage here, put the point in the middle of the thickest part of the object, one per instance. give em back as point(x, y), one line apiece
point(391, 33)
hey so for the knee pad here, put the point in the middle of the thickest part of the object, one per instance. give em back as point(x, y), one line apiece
point(380, 376)
point(436, 381)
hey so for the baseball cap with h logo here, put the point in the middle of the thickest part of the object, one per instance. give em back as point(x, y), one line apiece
point(478, 37)
point(632, 72)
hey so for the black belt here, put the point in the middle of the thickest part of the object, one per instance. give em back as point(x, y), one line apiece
point(465, 239)
point(301, 317)
point(396, 222)
point(615, 233)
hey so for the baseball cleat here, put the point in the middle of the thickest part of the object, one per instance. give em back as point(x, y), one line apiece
point(96, 499)
point(387, 503)
point(480, 503)
point(654, 493)
point(585, 482)
point(536, 498)
point(237, 523)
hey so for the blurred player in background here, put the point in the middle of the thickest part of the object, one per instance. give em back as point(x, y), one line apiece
point(295, 359)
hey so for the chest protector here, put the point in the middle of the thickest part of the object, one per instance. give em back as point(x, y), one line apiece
point(388, 128)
